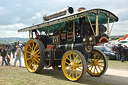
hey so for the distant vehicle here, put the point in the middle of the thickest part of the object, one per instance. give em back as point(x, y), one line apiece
point(107, 51)
point(123, 42)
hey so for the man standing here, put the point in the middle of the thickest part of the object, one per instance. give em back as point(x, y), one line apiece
point(13, 51)
point(123, 53)
point(118, 51)
point(3, 54)
point(126, 51)
point(18, 56)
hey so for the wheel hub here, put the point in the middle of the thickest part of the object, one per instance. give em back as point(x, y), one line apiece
point(32, 55)
point(73, 65)
point(95, 63)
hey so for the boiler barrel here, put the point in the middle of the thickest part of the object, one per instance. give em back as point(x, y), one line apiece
point(71, 46)
point(68, 10)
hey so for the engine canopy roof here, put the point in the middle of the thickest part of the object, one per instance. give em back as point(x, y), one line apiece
point(58, 23)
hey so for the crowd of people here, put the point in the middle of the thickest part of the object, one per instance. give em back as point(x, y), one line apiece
point(16, 50)
point(121, 52)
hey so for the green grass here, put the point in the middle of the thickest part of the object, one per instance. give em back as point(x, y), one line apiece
point(20, 76)
point(117, 64)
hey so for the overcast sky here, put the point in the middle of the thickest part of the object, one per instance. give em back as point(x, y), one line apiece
point(17, 14)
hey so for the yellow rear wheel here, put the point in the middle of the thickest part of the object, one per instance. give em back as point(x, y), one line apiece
point(97, 64)
point(73, 65)
point(33, 55)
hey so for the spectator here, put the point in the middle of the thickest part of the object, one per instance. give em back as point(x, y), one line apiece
point(126, 51)
point(23, 48)
point(18, 56)
point(113, 47)
point(9, 52)
point(8, 60)
point(13, 51)
point(123, 53)
point(118, 51)
point(3, 54)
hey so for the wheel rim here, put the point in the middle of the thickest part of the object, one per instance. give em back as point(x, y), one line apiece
point(97, 64)
point(32, 56)
point(72, 66)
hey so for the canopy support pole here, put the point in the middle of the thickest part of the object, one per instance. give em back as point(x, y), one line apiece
point(48, 31)
point(91, 25)
point(29, 34)
point(111, 28)
point(73, 31)
point(97, 29)
point(108, 28)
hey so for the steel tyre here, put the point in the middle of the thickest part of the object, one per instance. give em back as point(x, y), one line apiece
point(34, 55)
point(97, 64)
point(73, 65)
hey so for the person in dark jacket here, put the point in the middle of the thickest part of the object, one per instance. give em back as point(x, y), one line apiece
point(13, 51)
point(9, 52)
point(126, 51)
point(118, 51)
point(3, 54)
point(123, 53)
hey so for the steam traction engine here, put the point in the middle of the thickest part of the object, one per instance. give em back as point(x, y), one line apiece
point(66, 39)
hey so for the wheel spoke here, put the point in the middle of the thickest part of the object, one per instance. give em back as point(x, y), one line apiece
point(100, 58)
point(100, 62)
point(28, 52)
point(76, 73)
point(68, 69)
point(80, 68)
point(75, 58)
point(67, 63)
point(70, 58)
point(28, 59)
point(79, 61)
point(30, 46)
point(79, 65)
point(36, 52)
point(101, 66)
point(72, 73)
point(31, 64)
point(37, 56)
point(35, 47)
point(96, 69)
point(37, 61)
point(89, 66)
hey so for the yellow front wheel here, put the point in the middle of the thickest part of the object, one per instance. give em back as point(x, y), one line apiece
point(33, 55)
point(73, 65)
point(97, 63)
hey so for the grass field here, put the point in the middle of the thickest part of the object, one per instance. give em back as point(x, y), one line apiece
point(10, 75)
point(117, 64)
point(20, 76)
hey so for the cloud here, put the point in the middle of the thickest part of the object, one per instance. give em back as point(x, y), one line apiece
point(120, 28)
point(12, 27)
point(16, 14)
point(12, 30)
point(18, 5)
